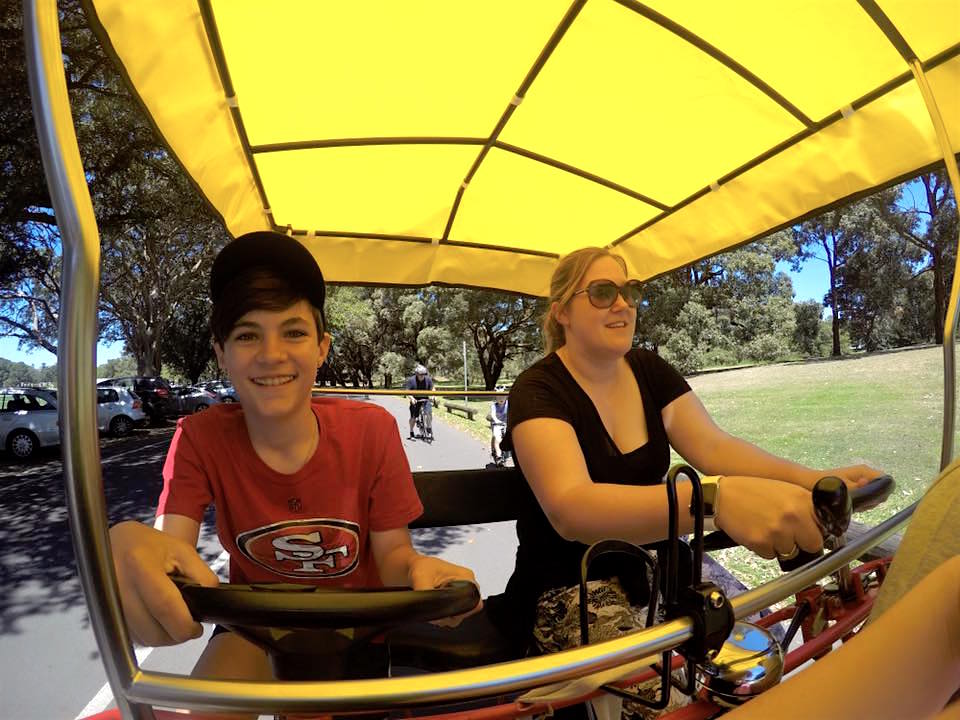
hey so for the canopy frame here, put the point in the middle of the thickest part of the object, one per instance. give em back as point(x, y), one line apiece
point(136, 689)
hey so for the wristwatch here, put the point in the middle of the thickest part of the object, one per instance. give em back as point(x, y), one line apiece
point(710, 487)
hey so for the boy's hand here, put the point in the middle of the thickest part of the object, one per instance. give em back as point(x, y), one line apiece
point(152, 605)
point(428, 572)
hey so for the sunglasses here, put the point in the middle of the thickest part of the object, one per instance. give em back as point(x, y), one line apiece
point(603, 293)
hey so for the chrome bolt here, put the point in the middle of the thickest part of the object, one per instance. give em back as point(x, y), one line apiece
point(716, 599)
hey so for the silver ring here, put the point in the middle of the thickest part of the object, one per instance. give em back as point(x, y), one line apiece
point(790, 555)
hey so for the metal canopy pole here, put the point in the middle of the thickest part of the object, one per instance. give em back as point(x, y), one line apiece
point(77, 344)
point(950, 320)
point(901, 45)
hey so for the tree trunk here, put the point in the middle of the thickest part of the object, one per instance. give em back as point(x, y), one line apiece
point(835, 312)
point(939, 295)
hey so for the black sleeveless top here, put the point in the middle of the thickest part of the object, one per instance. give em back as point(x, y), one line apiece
point(547, 390)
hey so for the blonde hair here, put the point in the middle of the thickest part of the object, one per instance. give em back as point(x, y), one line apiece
point(563, 283)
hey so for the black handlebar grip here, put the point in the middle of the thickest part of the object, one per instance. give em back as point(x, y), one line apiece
point(872, 494)
point(832, 505)
point(833, 508)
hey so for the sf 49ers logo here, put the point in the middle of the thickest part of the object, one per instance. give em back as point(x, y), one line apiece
point(316, 548)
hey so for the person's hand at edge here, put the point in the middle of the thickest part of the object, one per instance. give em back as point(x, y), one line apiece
point(153, 607)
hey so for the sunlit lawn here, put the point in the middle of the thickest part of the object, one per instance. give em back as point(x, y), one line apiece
point(884, 410)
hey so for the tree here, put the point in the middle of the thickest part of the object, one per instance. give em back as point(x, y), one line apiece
point(117, 367)
point(153, 273)
point(500, 326)
point(714, 311)
point(189, 344)
point(157, 235)
point(17, 373)
point(833, 238)
point(353, 325)
point(875, 281)
point(923, 212)
point(806, 332)
point(30, 303)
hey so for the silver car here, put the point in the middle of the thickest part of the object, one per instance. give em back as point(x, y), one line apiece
point(28, 421)
point(119, 410)
point(188, 400)
point(223, 389)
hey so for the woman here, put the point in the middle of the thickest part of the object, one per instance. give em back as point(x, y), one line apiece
point(591, 425)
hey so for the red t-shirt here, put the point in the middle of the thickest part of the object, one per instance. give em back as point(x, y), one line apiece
point(308, 527)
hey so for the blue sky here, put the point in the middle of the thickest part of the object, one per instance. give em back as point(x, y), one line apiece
point(810, 283)
point(9, 351)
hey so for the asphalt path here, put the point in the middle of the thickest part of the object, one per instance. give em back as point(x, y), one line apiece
point(50, 666)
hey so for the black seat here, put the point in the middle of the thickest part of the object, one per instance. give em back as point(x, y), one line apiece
point(471, 497)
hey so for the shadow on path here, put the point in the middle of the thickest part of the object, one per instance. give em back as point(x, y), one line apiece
point(37, 563)
point(433, 541)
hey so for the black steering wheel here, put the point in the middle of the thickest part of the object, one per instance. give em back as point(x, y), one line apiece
point(291, 606)
point(315, 632)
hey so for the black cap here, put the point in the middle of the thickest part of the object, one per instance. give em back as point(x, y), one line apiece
point(273, 251)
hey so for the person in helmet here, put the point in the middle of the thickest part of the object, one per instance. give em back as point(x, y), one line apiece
point(498, 424)
point(420, 380)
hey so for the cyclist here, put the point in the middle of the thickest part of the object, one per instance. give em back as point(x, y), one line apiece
point(420, 380)
point(498, 424)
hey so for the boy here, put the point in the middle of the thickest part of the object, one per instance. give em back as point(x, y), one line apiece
point(326, 477)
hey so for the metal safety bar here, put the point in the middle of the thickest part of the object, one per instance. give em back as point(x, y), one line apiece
point(490, 680)
point(135, 689)
point(402, 392)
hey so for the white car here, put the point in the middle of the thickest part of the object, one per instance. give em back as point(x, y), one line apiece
point(28, 421)
point(119, 410)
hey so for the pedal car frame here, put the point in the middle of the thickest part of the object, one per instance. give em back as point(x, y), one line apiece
point(136, 689)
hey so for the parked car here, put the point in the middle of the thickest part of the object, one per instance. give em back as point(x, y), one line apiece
point(187, 400)
point(223, 389)
point(119, 410)
point(28, 421)
point(154, 393)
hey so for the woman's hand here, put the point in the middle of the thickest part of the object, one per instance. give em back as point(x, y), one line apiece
point(152, 605)
point(854, 476)
point(767, 516)
point(428, 572)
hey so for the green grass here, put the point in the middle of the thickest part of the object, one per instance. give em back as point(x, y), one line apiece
point(885, 410)
point(478, 427)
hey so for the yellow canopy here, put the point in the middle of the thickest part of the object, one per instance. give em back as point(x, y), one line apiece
point(473, 143)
